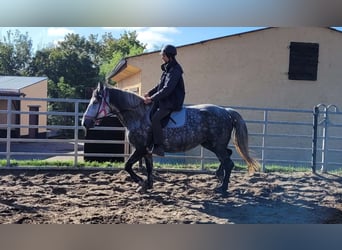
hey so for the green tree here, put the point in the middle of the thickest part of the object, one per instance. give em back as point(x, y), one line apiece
point(15, 53)
point(116, 49)
point(82, 62)
point(75, 59)
point(73, 67)
point(62, 90)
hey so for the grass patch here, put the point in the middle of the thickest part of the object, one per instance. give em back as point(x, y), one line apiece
point(286, 169)
point(95, 164)
point(58, 163)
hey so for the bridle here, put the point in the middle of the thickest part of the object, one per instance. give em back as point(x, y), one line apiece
point(113, 111)
point(102, 107)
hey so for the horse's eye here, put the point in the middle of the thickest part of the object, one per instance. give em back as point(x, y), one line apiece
point(96, 99)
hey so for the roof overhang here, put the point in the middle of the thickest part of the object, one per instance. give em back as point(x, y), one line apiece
point(122, 71)
point(11, 93)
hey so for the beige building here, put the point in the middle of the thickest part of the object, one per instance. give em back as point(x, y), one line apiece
point(281, 67)
point(295, 67)
point(27, 87)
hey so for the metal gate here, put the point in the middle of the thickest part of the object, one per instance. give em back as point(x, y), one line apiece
point(327, 139)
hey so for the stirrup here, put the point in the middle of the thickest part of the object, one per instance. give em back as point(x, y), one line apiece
point(158, 150)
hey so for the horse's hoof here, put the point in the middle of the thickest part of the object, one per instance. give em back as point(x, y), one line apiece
point(142, 187)
point(141, 190)
point(219, 176)
point(221, 190)
point(149, 185)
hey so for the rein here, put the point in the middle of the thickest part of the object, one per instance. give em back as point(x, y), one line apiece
point(128, 109)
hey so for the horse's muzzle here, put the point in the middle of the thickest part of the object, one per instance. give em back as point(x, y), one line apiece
point(88, 123)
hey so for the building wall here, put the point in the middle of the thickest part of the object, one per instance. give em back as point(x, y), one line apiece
point(3, 117)
point(132, 84)
point(252, 69)
point(38, 90)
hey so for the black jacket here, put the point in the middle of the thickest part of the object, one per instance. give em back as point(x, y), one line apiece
point(170, 91)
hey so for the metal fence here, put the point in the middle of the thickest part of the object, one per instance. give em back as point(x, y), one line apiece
point(298, 138)
point(281, 137)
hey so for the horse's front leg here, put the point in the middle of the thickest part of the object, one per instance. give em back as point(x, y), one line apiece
point(149, 168)
point(134, 157)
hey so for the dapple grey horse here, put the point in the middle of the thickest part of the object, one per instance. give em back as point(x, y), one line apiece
point(208, 125)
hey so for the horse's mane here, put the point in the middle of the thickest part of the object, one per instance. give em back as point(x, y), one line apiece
point(123, 99)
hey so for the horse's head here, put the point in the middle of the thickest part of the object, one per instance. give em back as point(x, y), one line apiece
point(98, 107)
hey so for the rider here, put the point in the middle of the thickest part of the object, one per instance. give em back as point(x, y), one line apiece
point(167, 96)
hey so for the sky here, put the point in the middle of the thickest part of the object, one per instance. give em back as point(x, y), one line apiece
point(153, 37)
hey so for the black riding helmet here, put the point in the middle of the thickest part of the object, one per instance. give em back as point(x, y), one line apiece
point(169, 50)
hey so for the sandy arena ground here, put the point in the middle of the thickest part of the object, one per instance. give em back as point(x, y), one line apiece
point(84, 196)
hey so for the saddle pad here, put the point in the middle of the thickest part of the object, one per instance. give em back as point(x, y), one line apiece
point(177, 119)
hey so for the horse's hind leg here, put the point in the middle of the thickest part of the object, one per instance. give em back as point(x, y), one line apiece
point(220, 171)
point(225, 168)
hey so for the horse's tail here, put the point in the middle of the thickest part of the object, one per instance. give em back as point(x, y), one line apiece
point(241, 141)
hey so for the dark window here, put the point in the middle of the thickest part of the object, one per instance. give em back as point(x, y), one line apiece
point(303, 61)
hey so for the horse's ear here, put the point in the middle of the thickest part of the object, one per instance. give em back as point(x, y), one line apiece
point(100, 86)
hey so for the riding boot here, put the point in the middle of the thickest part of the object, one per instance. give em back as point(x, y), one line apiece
point(149, 142)
point(158, 150)
point(157, 131)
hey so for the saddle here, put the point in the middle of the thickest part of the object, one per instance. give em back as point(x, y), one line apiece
point(175, 119)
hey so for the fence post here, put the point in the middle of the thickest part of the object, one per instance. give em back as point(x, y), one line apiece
point(324, 137)
point(314, 138)
point(264, 134)
point(76, 134)
point(9, 130)
point(202, 158)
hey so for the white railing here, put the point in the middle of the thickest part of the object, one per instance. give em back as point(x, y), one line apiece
point(277, 137)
